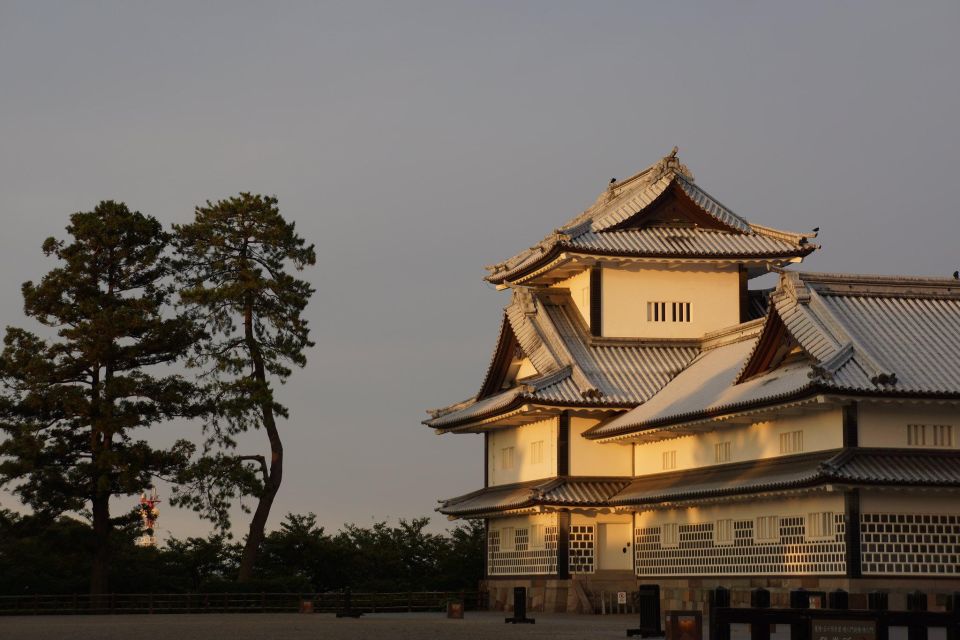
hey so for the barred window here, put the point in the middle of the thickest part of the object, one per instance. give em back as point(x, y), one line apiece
point(767, 529)
point(536, 452)
point(930, 435)
point(669, 460)
point(821, 526)
point(537, 538)
point(670, 535)
point(668, 311)
point(506, 458)
point(791, 442)
point(721, 452)
point(508, 539)
point(723, 532)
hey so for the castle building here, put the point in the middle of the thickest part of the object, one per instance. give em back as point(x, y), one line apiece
point(649, 418)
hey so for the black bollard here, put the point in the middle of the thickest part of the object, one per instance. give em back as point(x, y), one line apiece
point(917, 602)
point(760, 598)
point(953, 606)
point(519, 607)
point(648, 602)
point(347, 610)
point(719, 599)
point(838, 599)
point(877, 601)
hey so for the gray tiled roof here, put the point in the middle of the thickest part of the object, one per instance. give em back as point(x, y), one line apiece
point(865, 335)
point(559, 492)
point(573, 369)
point(855, 466)
point(600, 229)
point(863, 467)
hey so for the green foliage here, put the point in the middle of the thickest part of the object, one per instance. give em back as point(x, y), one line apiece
point(234, 268)
point(42, 555)
point(73, 403)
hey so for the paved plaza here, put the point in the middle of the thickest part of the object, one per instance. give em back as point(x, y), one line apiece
point(431, 626)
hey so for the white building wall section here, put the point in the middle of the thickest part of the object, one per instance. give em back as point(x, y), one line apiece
point(513, 454)
point(909, 533)
point(730, 539)
point(590, 458)
point(884, 424)
point(712, 293)
point(579, 286)
point(821, 430)
point(585, 551)
point(522, 545)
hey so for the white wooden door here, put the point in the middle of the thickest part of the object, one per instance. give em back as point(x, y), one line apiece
point(614, 547)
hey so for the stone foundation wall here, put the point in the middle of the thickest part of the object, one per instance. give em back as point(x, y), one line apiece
point(561, 596)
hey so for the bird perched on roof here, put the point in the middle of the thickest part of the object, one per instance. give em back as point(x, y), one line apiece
point(956, 275)
point(816, 229)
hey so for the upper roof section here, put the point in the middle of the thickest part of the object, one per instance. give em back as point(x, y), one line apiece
point(660, 213)
point(824, 334)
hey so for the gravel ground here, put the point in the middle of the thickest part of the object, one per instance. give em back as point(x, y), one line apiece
point(254, 626)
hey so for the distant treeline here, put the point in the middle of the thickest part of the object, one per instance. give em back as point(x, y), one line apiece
point(40, 555)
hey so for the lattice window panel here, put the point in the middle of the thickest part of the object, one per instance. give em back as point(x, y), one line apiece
point(697, 554)
point(927, 545)
point(524, 560)
point(582, 549)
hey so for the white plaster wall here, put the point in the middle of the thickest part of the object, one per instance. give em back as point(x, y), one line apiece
point(526, 369)
point(590, 458)
point(522, 522)
point(885, 424)
point(894, 501)
point(520, 439)
point(594, 518)
point(822, 430)
point(579, 286)
point(714, 295)
point(783, 507)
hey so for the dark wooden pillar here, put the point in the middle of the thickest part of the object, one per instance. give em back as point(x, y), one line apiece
point(851, 425)
point(563, 443)
point(596, 301)
point(744, 295)
point(852, 517)
point(486, 548)
point(486, 459)
point(563, 545)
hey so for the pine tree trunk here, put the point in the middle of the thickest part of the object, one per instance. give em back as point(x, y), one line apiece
point(271, 483)
point(255, 536)
point(100, 570)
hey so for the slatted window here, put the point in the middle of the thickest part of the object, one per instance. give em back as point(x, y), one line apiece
point(791, 442)
point(721, 452)
point(668, 311)
point(506, 458)
point(821, 526)
point(508, 539)
point(767, 529)
point(669, 460)
point(671, 536)
point(723, 532)
point(536, 452)
point(930, 435)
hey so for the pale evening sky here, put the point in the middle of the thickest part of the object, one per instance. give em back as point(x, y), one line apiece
point(415, 142)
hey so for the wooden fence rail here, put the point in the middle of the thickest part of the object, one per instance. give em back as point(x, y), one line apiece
point(263, 602)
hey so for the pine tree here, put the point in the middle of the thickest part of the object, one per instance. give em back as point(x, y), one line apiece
point(77, 402)
point(234, 267)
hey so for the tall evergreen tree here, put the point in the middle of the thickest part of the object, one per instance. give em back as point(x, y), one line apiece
point(234, 264)
point(76, 401)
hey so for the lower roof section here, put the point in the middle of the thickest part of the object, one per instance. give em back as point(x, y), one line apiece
point(548, 492)
point(852, 467)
